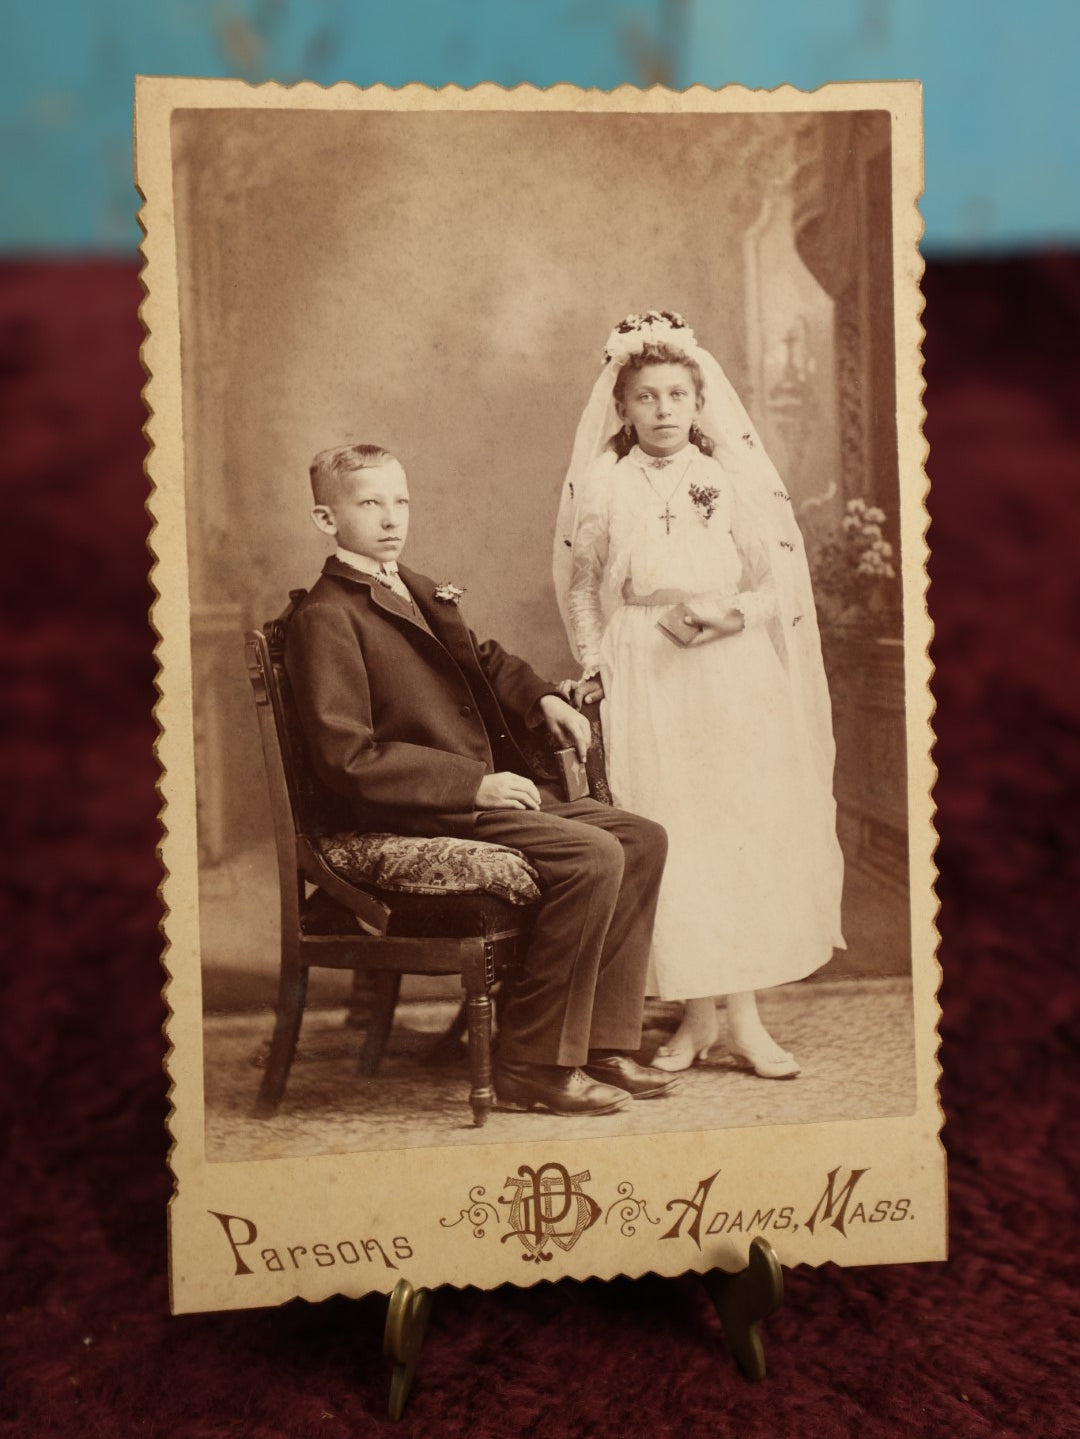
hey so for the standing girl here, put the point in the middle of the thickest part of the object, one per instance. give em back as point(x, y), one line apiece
point(683, 581)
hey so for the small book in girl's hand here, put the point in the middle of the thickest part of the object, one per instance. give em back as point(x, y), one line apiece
point(674, 624)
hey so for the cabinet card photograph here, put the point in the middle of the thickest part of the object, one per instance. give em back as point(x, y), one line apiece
point(539, 541)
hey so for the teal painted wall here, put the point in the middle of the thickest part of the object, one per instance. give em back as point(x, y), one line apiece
point(1001, 98)
point(1002, 113)
point(67, 68)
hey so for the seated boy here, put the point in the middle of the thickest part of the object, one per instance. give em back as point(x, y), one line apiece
point(420, 728)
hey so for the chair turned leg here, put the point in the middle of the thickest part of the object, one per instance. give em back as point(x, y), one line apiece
point(481, 1094)
point(451, 1044)
point(385, 987)
point(292, 992)
point(361, 998)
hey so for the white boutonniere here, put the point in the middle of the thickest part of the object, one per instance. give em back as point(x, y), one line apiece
point(449, 594)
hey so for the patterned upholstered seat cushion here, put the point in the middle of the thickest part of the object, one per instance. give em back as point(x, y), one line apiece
point(441, 866)
point(421, 916)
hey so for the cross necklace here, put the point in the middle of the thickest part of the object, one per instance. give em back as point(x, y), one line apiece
point(667, 516)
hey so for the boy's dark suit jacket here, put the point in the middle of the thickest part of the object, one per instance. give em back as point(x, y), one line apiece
point(404, 718)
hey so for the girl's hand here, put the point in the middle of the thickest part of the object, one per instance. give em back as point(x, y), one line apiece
point(582, 692)
point(587, 692)
point(730, 622)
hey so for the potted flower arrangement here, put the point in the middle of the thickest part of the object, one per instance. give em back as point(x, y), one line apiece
point(855, 580)
point(857, 592)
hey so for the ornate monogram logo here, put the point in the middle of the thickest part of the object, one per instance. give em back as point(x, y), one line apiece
point(549, 1207)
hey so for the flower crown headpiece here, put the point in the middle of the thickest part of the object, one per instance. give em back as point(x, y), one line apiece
point(654, 327)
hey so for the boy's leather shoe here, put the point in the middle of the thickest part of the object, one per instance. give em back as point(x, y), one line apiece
point(638, 1080)
point(557, 1087)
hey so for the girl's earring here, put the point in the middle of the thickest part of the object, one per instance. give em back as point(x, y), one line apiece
point(628, 430)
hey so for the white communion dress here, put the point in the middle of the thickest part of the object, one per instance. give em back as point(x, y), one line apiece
point(704, 739)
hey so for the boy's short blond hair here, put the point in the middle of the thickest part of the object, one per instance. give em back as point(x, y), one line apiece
point(329, 467)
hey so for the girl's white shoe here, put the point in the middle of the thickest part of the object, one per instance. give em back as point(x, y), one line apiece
point(775, 1063)
point(684, 1049)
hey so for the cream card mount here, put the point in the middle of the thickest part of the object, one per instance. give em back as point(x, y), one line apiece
point(435, 272)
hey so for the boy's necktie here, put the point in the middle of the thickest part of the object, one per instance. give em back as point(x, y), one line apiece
point(388, 575)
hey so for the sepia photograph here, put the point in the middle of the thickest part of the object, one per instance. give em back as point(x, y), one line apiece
point(539, 485)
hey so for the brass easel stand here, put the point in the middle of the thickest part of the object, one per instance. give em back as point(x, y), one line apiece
point(407, 1316)
point(742, 1301)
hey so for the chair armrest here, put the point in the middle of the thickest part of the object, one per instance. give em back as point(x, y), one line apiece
point(371, 914)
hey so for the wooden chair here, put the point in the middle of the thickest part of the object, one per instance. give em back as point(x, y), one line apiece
point(327, 921)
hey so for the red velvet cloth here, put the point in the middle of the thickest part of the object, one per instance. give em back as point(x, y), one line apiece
point(983, 1345)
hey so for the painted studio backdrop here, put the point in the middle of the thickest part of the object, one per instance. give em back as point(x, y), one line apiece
point(442, 284)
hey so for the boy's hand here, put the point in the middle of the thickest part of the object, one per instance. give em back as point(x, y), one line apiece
point(506, 791)
point(567, 725)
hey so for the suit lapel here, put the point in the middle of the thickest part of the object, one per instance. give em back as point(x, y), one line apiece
point(450, 629)
point(382, 596)
point(445, 629)
point(443, 616)
point(444, 625)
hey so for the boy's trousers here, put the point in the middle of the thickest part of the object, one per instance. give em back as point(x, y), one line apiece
point(580, 983)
